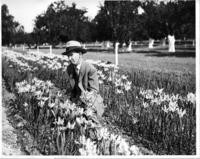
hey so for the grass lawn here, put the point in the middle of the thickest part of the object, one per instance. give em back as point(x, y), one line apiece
point(183, 61)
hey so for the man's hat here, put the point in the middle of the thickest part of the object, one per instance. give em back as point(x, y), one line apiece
point(73, 46)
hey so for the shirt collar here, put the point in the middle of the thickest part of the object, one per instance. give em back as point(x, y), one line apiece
point(79, 65)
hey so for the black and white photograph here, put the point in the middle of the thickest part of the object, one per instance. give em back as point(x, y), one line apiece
point(99, 78)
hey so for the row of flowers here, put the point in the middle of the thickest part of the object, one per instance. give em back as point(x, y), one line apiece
point(73, 120)
point(169, 117)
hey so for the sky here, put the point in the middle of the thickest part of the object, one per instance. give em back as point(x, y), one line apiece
point(25, 11)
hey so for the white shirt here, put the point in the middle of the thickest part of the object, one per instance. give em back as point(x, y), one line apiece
point(78, 67)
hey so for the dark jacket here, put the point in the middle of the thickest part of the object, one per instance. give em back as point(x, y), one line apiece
point(86, 80)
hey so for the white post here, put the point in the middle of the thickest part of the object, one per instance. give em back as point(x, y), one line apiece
point(50, 49)
point(151, 42)
point(116, 53)
point(107, 44)
point(164, 41)
point(193, 42)
point(171, 40)
point(23, 48)
point(84, 46)
point(129, 49)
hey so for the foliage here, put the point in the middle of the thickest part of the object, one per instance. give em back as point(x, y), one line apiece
point(115, 21)
point(12, 31)
point(165, 121)
point(61, 23)
point(59, 126)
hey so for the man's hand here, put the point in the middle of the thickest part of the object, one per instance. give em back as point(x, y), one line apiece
point(88, 97)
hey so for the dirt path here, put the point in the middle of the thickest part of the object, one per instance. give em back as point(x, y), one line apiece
point(10, 142)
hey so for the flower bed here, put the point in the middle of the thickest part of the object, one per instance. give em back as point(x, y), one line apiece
point(165, 120)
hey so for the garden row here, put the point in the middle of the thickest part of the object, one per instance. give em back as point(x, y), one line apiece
point(163, 120)
point(59, 126)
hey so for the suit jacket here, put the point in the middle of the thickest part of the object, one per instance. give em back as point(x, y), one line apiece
point(86, 80)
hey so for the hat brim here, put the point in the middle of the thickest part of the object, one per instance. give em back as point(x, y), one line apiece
point(74, 49)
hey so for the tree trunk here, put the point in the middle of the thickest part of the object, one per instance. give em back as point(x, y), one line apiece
point(107, 44)
point(164, 41)
point(129, 49)
point(171, 40)
point(151, 42)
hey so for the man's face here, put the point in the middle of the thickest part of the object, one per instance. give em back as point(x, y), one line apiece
point(74, 57)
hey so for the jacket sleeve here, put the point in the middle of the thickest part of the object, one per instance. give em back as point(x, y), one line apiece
point(93, 81)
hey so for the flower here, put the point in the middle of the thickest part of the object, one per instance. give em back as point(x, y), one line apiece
point(165, 109)
point(145, 104)
point(51, 105)
point(123, 147)
point(159, 91)
point(127, 86)
point(181, 112)
point(103, 133)
point(191, 98)
point(60, 121)
point(124, 77)
point(173, 106)
point(82, 151)
point(71, 126)
point(25, 104)
point(118, 91)
point(89, 112)
point(135, 150)
point(41, 103)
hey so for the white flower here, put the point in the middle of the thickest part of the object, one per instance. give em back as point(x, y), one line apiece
point(165, 109)
point(80, 120)
point(38, 93)
point(191, 98)
point(113, 137)
point(145, 104)
point(135, 150)
point(123, 147)
point(118, 91)
point(45, 98)
point(159, 91)
point(106, 69)
point(82, 151)
point(100, 81)
point(49, 83)
point(70, 126)
point(41, 103)
point(89, 112)
point(60, 121)
point(118, 82)
point(124, 77)
point(127, 86)
point(103, 133)
point(173, 106)
point(25, 104)
point(181, 112)
point(51, 105)
point(156, 101)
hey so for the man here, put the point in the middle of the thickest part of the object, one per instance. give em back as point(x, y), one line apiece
point(83, 78)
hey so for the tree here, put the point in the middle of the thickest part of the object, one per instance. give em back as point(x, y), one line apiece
point(169, 17)
point(12, 31)
point(62, 23)
point(120, 21)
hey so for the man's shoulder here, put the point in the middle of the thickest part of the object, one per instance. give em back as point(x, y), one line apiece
point(87, 65)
